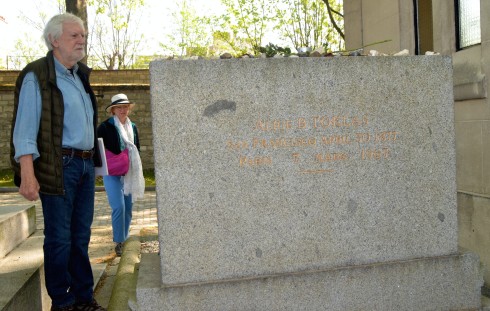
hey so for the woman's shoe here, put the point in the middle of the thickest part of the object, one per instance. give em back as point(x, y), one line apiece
point(119, 249)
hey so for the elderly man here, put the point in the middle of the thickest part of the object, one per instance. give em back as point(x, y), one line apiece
point(53, 155)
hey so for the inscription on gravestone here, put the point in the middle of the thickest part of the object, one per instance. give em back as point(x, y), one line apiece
point(314, 149)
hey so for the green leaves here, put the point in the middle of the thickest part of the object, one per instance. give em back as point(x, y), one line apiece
point(249, 21)
point(270, 50)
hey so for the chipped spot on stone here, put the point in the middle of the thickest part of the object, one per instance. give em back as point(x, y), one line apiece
point(441, 217)
point(219, 106)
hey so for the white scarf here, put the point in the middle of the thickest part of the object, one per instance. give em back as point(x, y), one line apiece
point(134, 182)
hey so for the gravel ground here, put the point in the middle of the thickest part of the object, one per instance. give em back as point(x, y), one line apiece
point(149, 247)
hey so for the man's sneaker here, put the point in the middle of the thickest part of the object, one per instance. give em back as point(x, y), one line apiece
point(119, 248)
point(67, 308)
point(89, 306)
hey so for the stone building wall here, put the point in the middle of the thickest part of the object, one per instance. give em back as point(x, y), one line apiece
point(471, 67)
point(134, 83)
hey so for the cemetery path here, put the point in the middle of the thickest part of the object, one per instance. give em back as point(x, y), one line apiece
point(106, 266)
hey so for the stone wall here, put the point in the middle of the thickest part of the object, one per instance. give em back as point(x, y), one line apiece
point(134, 83)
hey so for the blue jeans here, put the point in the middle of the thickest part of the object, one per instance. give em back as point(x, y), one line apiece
point(121, 205)
point(67, 221)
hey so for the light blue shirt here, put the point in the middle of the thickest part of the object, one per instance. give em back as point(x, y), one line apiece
point(78, 129)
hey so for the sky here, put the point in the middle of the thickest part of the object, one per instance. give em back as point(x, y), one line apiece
point(20, 17)
point(156, 20)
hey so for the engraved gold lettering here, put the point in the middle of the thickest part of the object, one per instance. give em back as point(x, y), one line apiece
point(364, 121)
point(255, 161)
point(301, 123)
point(336, 139)
point(375, 154)
point(356, 121)
point(261, 126)
point(283, 142)
point(376, 137)
point(386, 136)
point(338, 121)
point(333, 132)
point(276, 125)
point(273, 125)
point(363, 137)
point(237, 145)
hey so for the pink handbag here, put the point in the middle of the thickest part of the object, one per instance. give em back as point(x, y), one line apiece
point(117, 164)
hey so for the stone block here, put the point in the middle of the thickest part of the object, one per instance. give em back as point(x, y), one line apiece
point(273, 166)
point(438, 283)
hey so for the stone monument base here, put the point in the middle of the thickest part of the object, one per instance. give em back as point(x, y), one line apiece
point(437, 283)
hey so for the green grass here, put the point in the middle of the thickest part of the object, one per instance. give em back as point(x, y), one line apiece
point(149, 177)
point(7, 178)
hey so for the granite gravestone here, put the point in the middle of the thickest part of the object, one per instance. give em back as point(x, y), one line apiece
point(281, 181)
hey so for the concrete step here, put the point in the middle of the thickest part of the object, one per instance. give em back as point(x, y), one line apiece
point(22, 262)
point(22, 284)
point(22, 277)
point(17, 222)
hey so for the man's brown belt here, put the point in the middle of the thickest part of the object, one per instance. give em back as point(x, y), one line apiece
point(84, 154)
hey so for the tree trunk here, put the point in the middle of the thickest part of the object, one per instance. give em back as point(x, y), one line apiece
point(79, 8)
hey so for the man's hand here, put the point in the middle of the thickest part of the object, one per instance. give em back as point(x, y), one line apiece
point(29, 187)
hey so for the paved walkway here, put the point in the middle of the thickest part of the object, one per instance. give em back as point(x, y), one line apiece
point(144, 211)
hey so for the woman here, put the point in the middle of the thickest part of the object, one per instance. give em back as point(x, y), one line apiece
point(120, 137)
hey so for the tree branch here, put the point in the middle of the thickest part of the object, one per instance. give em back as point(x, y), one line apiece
point(330, 11)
